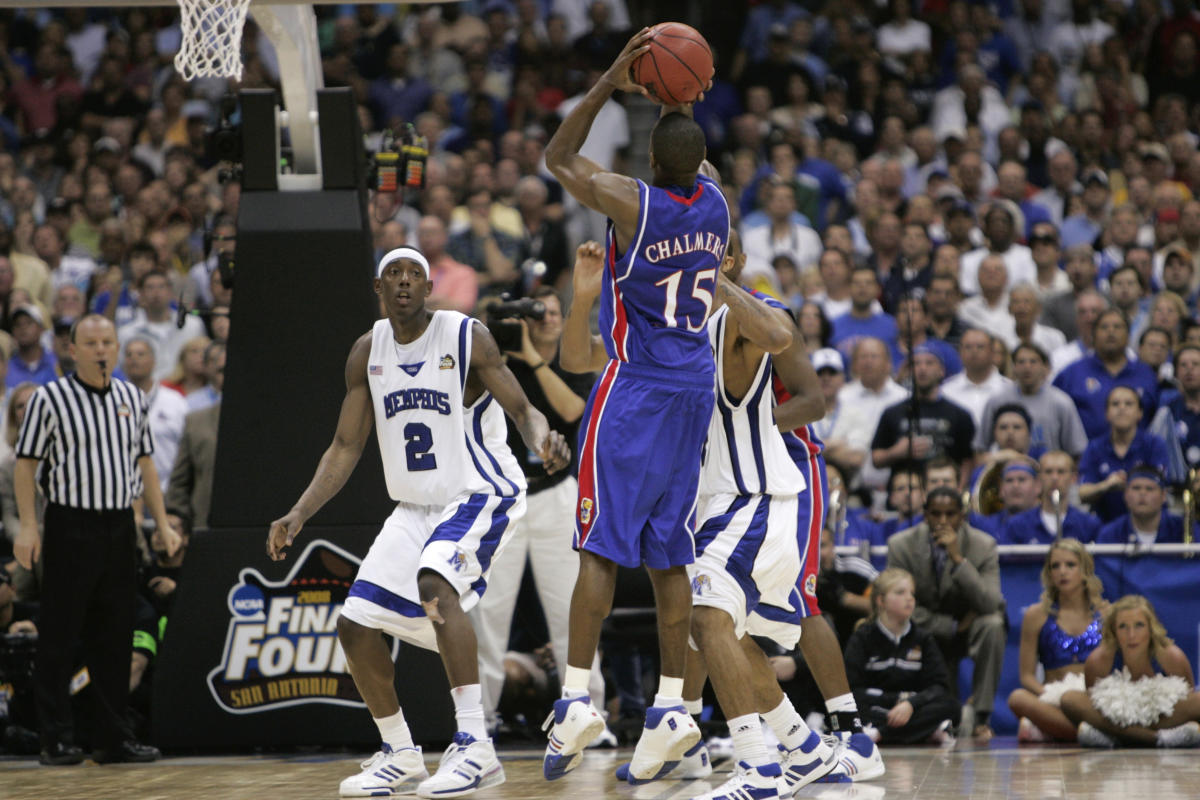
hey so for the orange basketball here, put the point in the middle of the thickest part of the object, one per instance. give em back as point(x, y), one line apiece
point(677, 66)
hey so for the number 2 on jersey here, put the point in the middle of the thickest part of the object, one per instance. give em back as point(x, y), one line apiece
point(419, 441)
point(671, 282)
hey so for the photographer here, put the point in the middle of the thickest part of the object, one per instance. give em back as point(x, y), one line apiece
point(544, 534)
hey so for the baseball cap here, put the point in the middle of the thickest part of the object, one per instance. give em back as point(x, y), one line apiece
point(30, 311)
point(828, 358)
point(1095, 176)
point(1155, 150)
point(926, 349)
point(106, 144)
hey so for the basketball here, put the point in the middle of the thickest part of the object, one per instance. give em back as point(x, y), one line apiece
point(678, 65)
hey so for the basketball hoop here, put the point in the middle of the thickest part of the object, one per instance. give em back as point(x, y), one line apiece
point(212, 38)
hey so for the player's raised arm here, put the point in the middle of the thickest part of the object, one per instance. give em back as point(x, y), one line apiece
point(487, 365)
point(338, 462)
point(611, 194)
point(768, 329)
point(582, 350)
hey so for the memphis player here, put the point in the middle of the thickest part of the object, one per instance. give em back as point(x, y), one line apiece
point(433, 383)
point(644, 426)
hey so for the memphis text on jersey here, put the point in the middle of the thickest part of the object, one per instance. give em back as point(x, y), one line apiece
point(281, 648)
point(681, 245)
point(415, 399)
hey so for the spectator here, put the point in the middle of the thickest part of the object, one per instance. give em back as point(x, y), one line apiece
point(31, 362)
point(925, 426)
point(1063, 186)
point(1185, 403)
point(167, 408)
point(543, 238)
point(155, 322)
point(395, 97)
point(1177, 277)
point(834, 267)
point(1088, 306)
point(905, 499)
point(1000, 224)
point(783, 233)
point(989, 309)
point(896, 669)
point(1105, 466)
point(50, 246)
point(1127, 290)
point(914, 333)
point(843, 588)
point(1087, 226)
point(1090, 379)
point(37, 98)
point(1123, 659)
point(1145, 520)
point(941, 305)
point(455, 285)
point(25, 582)
point(1020, 483)
point(1072, 600)
point(958, 597)
point(831, 373)
point(190, 375)
point(1052, 520)
point(491, 253)
point(190, 486)
point(118, 300)
point(862, 403)
point(1154, 350)
point(865, 319)
point(1058, 311)
point(914, 269)
point(1025, 309)
point(1055, 423)
point(979, 381)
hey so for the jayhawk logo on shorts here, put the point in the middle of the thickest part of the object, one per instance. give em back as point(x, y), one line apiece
point(700, 584)
point(585, 510)
point(458, 560)
point(810, 586)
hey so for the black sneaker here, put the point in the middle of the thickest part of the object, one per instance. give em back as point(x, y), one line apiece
point(61, 754)
point(127, 752)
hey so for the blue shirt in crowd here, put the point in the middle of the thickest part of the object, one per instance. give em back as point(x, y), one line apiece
point(848, 329)
point(44, 371)
point(1187, 426)
point(1120, 530)
point(1100, 460)
point(1028, 527)
point(1088, 383)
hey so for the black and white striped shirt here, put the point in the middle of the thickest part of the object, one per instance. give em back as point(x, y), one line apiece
point(90, 440)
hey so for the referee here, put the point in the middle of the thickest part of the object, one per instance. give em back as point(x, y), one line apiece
point(92, 432)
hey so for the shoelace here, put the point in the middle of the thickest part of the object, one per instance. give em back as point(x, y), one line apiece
point(374, 760)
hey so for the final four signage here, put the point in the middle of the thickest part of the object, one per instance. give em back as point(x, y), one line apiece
point(281, 648)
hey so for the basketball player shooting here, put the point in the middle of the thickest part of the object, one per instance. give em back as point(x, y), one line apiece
point(434, 384)
point(645, 423)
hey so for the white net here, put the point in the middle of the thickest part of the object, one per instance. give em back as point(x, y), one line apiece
point(212, 38)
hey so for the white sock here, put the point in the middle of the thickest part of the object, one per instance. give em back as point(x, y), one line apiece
point(575, 682)
point(787, 724)
point(394, 732)
point(468, 710)
point(694, 707)
point(748, 743)
point(670, 692)
point(843, 702)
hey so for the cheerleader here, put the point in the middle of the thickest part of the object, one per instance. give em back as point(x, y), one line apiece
point(1059, 633)
point(1140, 687)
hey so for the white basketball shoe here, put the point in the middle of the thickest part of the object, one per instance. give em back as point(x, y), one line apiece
point(748, 783)
point(858, 758)
point(804, 764)
point(667, 735)
point(573, 724)
point(469, 764)
point(388, 772)
point(695, 765)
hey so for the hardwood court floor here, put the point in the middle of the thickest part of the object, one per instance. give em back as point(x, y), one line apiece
point(965, 773)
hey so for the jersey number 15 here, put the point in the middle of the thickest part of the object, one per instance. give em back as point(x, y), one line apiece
point(705, 296)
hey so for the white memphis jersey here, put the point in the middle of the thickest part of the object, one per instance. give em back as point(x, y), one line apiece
point(745, 453)
point(434, 448)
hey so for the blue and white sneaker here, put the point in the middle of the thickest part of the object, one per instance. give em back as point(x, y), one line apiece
point(804, 764)
point(669, 733)
point(469, 764)
point(695, 765)
point(573, 724)
point(748, 783)
point(858, 759)
point(388, 772)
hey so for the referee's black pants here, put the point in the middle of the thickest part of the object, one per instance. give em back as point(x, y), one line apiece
point(88, 588)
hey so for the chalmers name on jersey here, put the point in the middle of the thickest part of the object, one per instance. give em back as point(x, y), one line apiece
point(434, 448)
point(656, 297)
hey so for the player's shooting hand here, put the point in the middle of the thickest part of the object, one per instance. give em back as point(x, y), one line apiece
point(589, 266)
point(283, 533)
point(619, 73)
point(554, 452)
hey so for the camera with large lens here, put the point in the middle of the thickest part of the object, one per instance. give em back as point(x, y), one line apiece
point(507, 334)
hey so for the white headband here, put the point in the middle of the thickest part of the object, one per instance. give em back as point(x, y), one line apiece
point(403, 252)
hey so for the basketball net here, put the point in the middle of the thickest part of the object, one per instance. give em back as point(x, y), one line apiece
point(212, 38)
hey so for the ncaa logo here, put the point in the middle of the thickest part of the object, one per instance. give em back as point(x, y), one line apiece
point(810, 586)
point(585, 510)
point(247, 600)
point(701, 584)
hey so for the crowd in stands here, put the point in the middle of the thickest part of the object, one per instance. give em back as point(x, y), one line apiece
point(984, 215)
